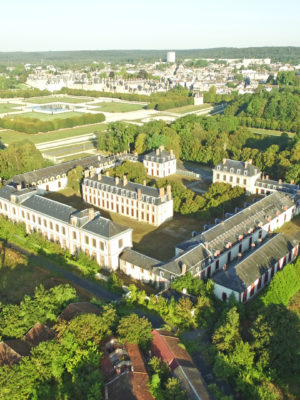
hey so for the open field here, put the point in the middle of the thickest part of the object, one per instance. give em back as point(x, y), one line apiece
point(75, 157)
point(157, 242)
point(18, 278)
point(115, 107)
point(8, 107)
point(8, 136)
point(46, 117)
point(53, 99)
point(271, 132)
point(190, 108)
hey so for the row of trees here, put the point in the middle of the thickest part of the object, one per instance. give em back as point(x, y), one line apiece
point(35, 125)
point(26, 93)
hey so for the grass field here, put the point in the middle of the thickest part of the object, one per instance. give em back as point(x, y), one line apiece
point(269, 132)
point(18, 278)
point(9, 136)
point(53, 99)
point(8, 107)
point(114, 107)
point(157, 242)
point(190, 108)
point(46, 117)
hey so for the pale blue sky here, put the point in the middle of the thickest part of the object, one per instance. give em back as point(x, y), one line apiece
point(32, 25)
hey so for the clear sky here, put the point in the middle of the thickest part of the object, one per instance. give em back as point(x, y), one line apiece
point(32, 25)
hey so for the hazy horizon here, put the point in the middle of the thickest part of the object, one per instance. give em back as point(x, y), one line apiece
point(70, 25)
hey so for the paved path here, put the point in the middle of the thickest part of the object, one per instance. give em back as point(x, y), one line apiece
point(93, 288)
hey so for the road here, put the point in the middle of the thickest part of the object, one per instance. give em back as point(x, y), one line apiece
point(83, 283)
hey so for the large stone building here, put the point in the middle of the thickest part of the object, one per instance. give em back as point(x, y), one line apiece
point(160, 163)
point(75, 230)
point(249, 177)
point(140, 202)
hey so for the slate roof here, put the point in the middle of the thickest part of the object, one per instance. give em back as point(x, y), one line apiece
point(8, 356)
point(104, 227)
point(38, 333)
point(196, 257)
point(240, 223)
point(243, 273)
point(6, 191)
point(49, 207)
point(108, 184)
point(54, 170)
point(139, 259)
point(234, 165)
point(162, 157)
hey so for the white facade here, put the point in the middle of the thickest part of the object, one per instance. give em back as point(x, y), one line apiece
point(106, 193)
point(105, 250)
point(160, 163)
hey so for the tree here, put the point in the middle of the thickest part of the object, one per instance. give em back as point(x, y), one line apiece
point(141, 143)
point(135, 330)
point(226, 336)
point(75, 178)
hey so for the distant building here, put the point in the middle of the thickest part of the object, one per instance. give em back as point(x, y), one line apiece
point(160, 163)
point(171, 57)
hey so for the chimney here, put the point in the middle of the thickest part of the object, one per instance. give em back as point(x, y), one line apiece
point(224, 267)
point(171, 152)
point(99, 176)
point(267, 177)
point(183, 269)
point(280, 181)
point(117, 180)
point(86, 173)
point(161, 148)
point(224, 160)
point(19, 187)
point(240, 255)
point(139, 194)
point(292, 182)
point(125, 181)
point(169, 192)
point(246, 164)
point(144, 182)
point(107, 173)
point(161, 192)
point(250, 161)
point(92, 173)
point(91, 214)
point(157, 152)
point(184, 291)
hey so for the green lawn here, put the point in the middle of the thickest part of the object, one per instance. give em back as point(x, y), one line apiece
point(53, 99)
point(8, 107)
point(46, 117)
point(9, 136)
point(271, 132)
point(75, 157)
point(190, 108)
point(114, 107)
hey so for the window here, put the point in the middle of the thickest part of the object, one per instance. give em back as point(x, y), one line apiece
point(231, 170)
point(57, 228)
point(63, 230)
point(74, 235)
point(33, 218)
point(238, 171)
point(231, 179)
point(120, 243)
point(23, 215)
point(94, 242)
point(51, 225)
point(218, 176)
point(101, 245)
point(224, 178)
point(245, 181)
point(237, 180)
point(45, 223)
point(86, 240)
point(245, 173)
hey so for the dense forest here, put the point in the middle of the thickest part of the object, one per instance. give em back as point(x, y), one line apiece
point(283, 54)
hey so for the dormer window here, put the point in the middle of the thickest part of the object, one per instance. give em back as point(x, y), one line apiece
point(225, 168)
point(245, 173)
point(231, 170)
point(238, 171)
point(161, 273)
point(218, 167)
